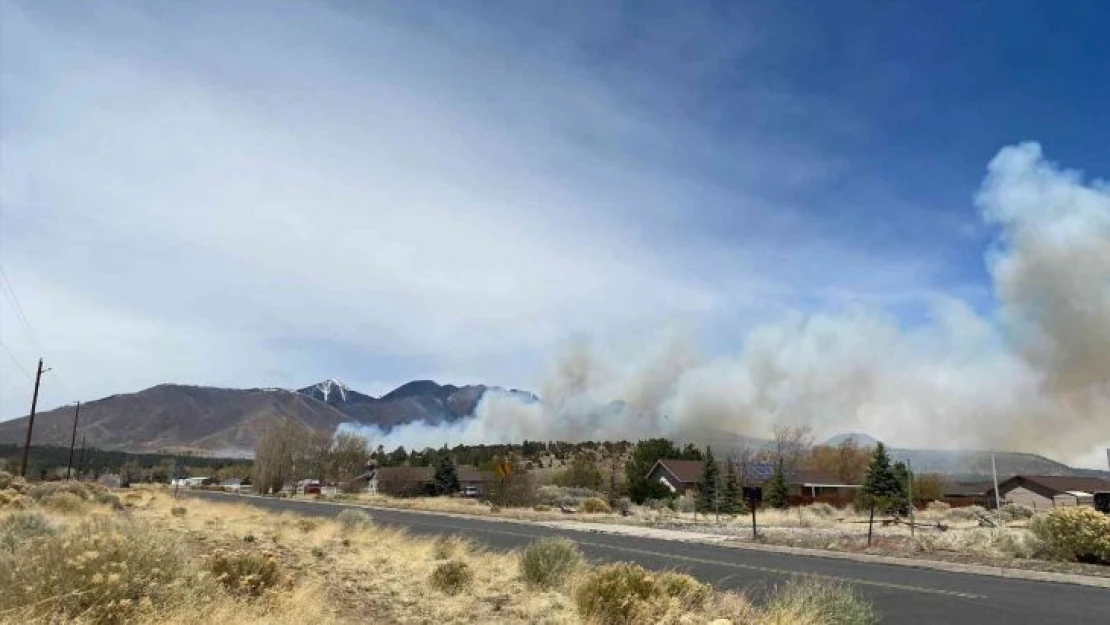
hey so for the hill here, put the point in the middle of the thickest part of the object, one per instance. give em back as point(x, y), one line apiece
point(229, 422)
point(174, 417)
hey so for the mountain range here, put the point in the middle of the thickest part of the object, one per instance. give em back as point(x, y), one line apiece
point(211, 421)
point(229, 422)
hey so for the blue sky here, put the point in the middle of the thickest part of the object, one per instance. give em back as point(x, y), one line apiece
point(266, 194)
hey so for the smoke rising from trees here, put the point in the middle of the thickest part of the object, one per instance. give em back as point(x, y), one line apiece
point(1032, 374)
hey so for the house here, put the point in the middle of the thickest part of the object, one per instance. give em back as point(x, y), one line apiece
point(963, 494)
point(417, 481)
point(681, 477)
point(404, 481)
point(474, 483)
point(1040, 492)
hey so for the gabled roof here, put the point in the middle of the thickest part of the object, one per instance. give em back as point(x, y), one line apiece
point(1050, 485)
point(689, 472)
point(472, 474)
point(966, 489)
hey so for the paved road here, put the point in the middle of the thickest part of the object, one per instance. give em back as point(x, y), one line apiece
point(900, 594)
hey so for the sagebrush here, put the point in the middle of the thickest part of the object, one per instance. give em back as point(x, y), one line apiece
point(100, 570)
point(550, 562)
point(245, 572)
point(627, 593)
point(1081, 534)
point(451, 577)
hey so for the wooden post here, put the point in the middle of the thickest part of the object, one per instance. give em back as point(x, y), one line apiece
point(755, 534)
point(870, 523)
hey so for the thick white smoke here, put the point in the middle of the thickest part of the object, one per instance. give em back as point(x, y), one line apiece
point(1035, 376)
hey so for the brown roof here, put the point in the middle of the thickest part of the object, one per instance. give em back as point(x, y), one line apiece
point(472, 474)
point(689, 472)
point(1057, 484)
point(466, 473)
point(806, 476)
point(412, 474)
point(966, 489)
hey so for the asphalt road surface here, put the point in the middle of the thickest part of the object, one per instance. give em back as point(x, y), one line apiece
point(900, 594)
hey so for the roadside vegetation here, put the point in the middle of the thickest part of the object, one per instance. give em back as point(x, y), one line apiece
point(94, 562)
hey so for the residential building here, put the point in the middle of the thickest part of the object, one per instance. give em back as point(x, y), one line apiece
point(415, 481)
point(962, 494)
point(1042, 492)
point(681, 477)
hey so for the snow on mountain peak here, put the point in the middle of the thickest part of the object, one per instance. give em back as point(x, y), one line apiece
point(327, 386)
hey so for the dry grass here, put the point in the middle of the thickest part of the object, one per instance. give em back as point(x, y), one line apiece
point(231, 563)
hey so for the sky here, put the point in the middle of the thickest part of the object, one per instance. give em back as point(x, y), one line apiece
point(260, 194)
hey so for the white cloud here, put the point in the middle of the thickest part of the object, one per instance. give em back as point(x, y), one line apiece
point(253, 197)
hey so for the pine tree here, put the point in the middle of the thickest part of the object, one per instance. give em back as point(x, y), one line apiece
point(775, 494)
point(709, 483)
point(901, 503)
point(732, 497)
point(881, 488)
point(446, 477)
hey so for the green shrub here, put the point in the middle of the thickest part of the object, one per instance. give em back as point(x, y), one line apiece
point(245, 572)
point(97, 572)
point(548, 563)
point(21, 527)
point(351, 519)
point(966, 513)
point(817, 602)
point(451, 577)
point(109, 499)
point(1081, 534)
point(689, 591)
point(595, 505)
point(307, 525)
point(63, 502)
point(1013, 511)
point(617, 594)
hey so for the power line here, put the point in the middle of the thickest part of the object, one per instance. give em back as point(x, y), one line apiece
point(19, 310)
point(15, 360)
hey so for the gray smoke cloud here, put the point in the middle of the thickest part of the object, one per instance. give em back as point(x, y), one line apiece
point(1034, 375)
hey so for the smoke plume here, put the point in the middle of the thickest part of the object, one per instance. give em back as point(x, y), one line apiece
point(1032, 375)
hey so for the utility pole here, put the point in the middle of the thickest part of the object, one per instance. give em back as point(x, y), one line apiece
point(909, 475)
point(997, 498)
point(31, 420)
point(73, 440)
point(81, 458)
